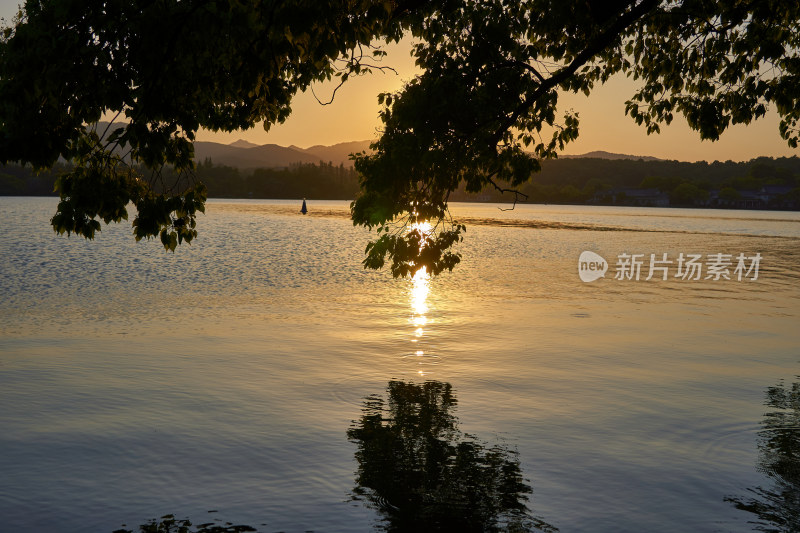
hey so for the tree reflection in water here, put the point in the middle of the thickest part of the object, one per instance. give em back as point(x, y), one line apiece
point(778, 506)
point(422, 474)
point(170, 524)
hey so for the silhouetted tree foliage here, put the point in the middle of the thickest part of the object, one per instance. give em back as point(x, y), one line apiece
point(483, 113)
point(492, 73)
point(777, 507)
point(162, 70)
point(422, 474)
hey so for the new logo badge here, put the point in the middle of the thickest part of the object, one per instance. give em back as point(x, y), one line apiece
point(591, 266)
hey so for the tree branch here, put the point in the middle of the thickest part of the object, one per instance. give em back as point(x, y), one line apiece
point(597, 45)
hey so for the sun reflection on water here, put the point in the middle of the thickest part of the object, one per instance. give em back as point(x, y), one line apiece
point(420, 288)
point(419, 296)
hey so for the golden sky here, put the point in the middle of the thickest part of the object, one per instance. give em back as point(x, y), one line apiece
point(353, 116)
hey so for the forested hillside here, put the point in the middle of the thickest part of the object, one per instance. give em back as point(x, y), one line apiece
point(763, 183)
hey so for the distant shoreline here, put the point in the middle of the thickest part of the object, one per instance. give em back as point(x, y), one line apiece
point(762, 183)
point(469, 201)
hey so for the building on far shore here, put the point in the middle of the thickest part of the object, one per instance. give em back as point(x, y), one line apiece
point(767, 197)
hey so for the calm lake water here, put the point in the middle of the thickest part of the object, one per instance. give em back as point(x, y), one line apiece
point(261, 376)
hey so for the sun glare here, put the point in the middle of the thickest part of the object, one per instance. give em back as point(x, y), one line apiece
point(420, 287)
point(425, 227)
point(419, 293)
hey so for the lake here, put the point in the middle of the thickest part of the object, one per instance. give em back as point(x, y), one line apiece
point(261, 376)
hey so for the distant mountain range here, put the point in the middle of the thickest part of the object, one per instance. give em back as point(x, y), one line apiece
point(246, 155)
point(600, 154)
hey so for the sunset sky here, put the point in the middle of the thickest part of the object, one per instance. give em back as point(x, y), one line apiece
point(604, 125)
point(353, 116)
